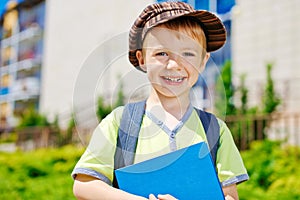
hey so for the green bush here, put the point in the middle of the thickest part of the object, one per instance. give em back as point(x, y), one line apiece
point(270, 99)
point(8, 137)
point(103, 109)
point(31, 117)
point(225, 92)
point(42, 174)
point(273, 170)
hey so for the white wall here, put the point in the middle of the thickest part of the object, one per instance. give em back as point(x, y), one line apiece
point(268, 31)
point(86, 48)
point(74, 58)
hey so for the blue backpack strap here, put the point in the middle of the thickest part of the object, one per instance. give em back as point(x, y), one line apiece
point(212, 131)
point(128, 133)
point(130, 127)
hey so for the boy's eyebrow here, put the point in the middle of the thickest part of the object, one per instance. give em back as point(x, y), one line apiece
point(158, 47)
point(162, 47)
point(190, 49)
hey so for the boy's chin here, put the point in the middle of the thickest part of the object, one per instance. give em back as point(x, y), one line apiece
point(167, 93)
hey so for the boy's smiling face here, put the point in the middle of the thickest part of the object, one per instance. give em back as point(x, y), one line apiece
point(172, 60)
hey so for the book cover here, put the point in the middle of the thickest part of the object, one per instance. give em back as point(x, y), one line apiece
point(186, 174)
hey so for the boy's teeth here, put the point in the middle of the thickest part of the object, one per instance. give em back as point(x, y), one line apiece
point(174, 79)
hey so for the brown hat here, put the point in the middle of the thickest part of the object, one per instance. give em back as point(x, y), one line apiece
point(162, 12)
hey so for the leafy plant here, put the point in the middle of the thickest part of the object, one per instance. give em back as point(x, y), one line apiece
point(31, 117)
point(120, 96)
point(104, 109)
point(71, 126)
point(244, 95)
point(65, 136)
point(41, 174)
point(270, 98)
point(225, 92)
point(273, 170)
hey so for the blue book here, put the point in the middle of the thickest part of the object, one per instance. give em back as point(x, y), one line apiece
point(186, 174)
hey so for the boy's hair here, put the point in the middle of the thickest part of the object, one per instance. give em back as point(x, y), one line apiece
point(159, 13)
point(189, 27)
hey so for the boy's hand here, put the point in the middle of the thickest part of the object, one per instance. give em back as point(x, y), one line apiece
point(229, 198)
point(152, 197)
point(161, 197)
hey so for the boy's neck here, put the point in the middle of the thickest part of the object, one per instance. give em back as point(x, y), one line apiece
point(176, 106)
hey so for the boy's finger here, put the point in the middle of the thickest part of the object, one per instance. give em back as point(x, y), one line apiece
point(166, 197)
point(152, 197)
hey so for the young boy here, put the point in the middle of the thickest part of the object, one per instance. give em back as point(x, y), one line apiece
point(171, 43)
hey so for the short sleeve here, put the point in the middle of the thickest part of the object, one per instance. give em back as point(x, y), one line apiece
point(230, 166)
point(98, 158)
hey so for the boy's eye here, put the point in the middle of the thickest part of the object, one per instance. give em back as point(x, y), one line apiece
point(188, 54)
point(161, 54)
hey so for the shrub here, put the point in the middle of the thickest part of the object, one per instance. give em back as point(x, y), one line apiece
point(42, 174)
point(103, 109)
point(270, 98)
point(225, 92)
point(30, 117)
point(273, 170)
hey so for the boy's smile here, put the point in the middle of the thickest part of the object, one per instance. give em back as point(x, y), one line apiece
point(173, 80)
point(172, 60)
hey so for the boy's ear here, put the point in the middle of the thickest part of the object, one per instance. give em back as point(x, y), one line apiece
point(204, 61)
point(140, 57)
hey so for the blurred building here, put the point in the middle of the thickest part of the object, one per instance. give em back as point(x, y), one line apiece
point(21, 57)
point(268, 32)
point(46, 45)
point(59, 56)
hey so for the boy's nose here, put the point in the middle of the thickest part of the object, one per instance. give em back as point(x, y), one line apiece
point(174, 62)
